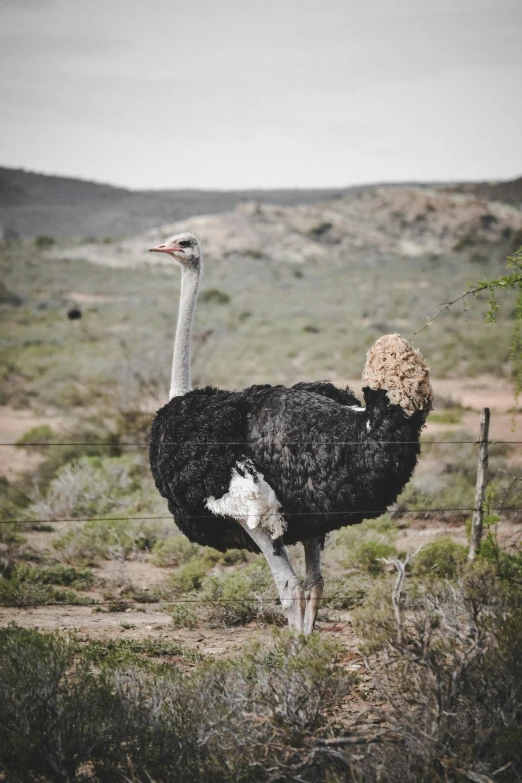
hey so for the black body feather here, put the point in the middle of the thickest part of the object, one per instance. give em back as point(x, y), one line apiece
point(326, 463)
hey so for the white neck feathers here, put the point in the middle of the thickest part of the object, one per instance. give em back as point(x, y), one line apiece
point(180, 379)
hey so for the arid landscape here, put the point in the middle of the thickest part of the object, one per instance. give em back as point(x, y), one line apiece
point(297, 286)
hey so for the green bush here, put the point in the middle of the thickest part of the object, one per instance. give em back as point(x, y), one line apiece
point(130, 592)
point(90, 486)
point(91, 439)
point(346, 592)
point(184, 616)
point(13, 505)
point(360, 547)
point(449, 416)
point(442, 557)
point(135, 651)
point(228, 558)
point(173, 551)
point(44, 242)
point(367, 556)
point(24, 585)
point(55, 713)
point(214, 295)
point(111, 539)
point(79, 579)
point(41, 434)
point(241, 597)
point(188, 577)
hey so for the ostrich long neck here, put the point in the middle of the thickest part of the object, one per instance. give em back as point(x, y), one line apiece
point(180, 379)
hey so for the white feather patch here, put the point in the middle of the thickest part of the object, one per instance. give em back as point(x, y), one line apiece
point(250, 499)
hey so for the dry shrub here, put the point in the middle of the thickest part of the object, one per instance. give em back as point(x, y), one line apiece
point(184, 616)
point(447, 660)
point(78, 714)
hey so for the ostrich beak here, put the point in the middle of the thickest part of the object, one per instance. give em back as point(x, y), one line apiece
point(164, 249)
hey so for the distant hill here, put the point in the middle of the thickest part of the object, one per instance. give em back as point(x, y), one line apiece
point(400, 222)
point(509, 192)
point(33, 204)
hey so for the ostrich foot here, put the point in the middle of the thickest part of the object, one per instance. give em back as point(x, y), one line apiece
point(313, 595)
point(293, 603)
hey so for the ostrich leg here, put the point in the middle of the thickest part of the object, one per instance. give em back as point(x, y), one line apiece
point(287, 582)
point(313, 586)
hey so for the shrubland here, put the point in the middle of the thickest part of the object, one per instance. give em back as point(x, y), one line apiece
point(446, 674)
point(121, 716)
point(318, 324)
point(441, 636)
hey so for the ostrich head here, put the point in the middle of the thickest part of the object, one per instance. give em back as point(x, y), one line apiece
point(183, 247)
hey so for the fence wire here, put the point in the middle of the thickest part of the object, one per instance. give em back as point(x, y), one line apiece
point(396, 511)
point(171, 602)
point(117, 445)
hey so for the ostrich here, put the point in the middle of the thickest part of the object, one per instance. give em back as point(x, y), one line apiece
point(270, 466)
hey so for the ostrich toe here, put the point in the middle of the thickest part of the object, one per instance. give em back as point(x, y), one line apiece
point(294, 604)
point(313, 595)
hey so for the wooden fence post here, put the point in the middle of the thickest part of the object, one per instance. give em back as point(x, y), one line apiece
point(480, 488)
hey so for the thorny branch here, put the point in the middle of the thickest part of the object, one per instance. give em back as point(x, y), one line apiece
point(507, 282)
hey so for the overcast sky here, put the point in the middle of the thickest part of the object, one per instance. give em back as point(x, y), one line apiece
point(262, 93)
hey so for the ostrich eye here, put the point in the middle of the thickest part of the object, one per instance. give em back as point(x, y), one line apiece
point(184, 243)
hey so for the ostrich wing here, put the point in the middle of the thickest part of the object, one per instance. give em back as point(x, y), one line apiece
point(327, 389)
point(298, 441)
point(320, 457)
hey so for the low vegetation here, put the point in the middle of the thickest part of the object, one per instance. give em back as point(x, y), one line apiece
point(25, 585)
point(448, 666)
point(442, 637)
point(241, 597)
point(445, 666)
point(324, 318)
point(127, 717)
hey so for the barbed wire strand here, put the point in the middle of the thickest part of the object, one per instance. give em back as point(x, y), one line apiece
point(396, 511)
point(282, 443)
point(123, 602)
